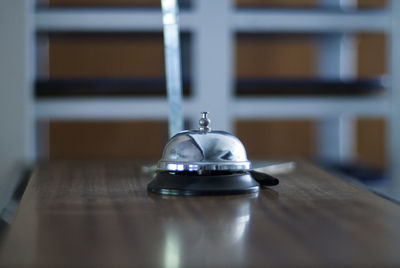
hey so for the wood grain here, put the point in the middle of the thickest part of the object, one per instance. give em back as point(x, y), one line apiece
point(363, 4)
point(72, 139)
point(371, 55)
point(106, 55)
point(127, 3)
point(277, 139)
point(278, 56)
point(99, 214)
point(370, 142)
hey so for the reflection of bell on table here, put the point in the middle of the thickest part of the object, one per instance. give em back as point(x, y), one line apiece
point(215, 235)
point(204, 162)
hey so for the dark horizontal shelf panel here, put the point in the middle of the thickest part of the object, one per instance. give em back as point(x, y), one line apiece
point(105, 87)
point(183, 4)
point(244, 87)
point(327, 9)
point(306, 87)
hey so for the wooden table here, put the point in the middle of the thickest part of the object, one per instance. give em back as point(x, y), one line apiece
point(99, 214)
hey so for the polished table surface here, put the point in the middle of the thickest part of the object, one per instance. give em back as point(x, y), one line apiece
point(99, 214)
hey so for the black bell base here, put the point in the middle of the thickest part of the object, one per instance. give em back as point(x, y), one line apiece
point(167, 183)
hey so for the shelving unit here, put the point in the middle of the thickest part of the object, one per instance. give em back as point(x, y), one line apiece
point(247, 20)
point(213, 26)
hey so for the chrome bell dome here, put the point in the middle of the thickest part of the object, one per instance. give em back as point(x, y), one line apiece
point(204, 150)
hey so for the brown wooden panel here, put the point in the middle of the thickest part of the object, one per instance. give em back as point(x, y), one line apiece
point(105, 3)
point(277, 139)
point(277, 3)
point(87, 139)
point(275, 56)
point(371, 54)
point(107, 55)
point(370, 142)
point(371, 3)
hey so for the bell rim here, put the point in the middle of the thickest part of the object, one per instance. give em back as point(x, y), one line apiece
point(202, 165)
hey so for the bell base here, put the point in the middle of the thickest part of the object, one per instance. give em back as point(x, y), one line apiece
point(167, 183)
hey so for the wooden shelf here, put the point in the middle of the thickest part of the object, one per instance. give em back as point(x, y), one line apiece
point(105, 87)
point(183, 4)
point(242, 20)
point(309, 4)
point(306, 87)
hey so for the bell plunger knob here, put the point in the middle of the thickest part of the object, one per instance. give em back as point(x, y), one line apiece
point(204, 122)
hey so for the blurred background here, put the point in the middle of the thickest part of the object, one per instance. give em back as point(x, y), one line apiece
point(292, 79)
point(114, 64)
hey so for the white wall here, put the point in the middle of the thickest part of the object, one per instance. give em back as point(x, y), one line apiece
point(15, 94)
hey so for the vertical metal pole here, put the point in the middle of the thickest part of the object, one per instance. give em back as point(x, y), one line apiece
point(393, 144)
point(16, 98)
point(213, 60)
point(341, 4)
point(172, 65)
point(336, 142)
point(337, 60)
